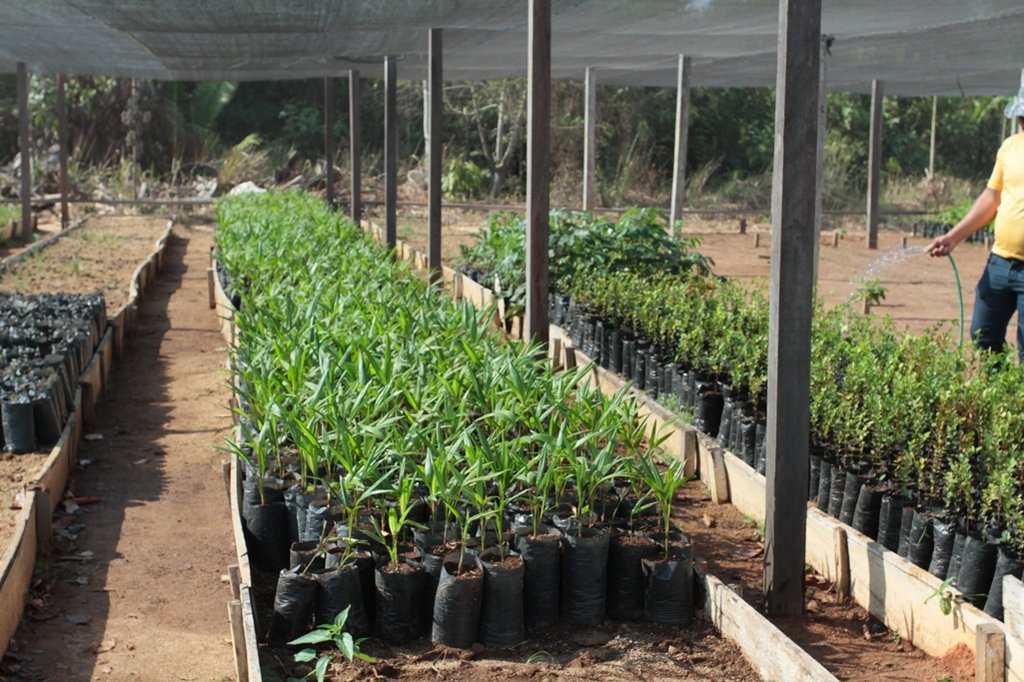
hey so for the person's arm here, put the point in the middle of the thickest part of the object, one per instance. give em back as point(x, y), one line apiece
point(980, 215)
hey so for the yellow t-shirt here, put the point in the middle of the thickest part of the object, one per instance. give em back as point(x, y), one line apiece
point(1008, 179)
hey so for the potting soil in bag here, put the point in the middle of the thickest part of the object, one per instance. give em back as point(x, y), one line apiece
point(398, 600)
point(501, 613)
point(836, 490)
point(628, 355)
point(302, 557)
point(1006, 564)
point(293, 607)
point(851, 493)
point(626, 581)
point(748, 440)
point(944, 535)
point(760, 449)
point(977, 567)
point(906, 522)
point(812, 484)
point(19, 427)
point(824, 486)
point(615, 351)
point(957, 555)
point(458, 602)
point(432, 566)
point(318, 521)
point(890, 518)
point(710, 408)
point(290, 494)
point(541, 578)
point(337, 589)
point(921, 540)
point(267, 526)
point(725, 423)
point(668, 597)
point(584, 576)
point(640, 367)
point(866, 513)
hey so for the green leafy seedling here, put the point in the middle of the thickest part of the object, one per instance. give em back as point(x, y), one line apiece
point(334, 633)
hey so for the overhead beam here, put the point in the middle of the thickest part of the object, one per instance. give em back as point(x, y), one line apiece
point(435, 106)
point(589, 137)
point(355, 146)
point(26, 154)
point(330, 95)
point(62, 153)
point(682, 135)
point(874, 162)
point(390, 153)
point(789, 342)
point(538, 170)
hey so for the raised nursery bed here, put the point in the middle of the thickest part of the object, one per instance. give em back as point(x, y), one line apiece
point(728, 612)
point(58, 369)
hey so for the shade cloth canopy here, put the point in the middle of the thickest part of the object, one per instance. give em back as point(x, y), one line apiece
point(931, 47)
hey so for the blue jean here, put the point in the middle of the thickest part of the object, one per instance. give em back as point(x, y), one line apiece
point(999, 294)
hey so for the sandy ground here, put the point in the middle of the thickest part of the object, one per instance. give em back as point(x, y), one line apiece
point(134, 589)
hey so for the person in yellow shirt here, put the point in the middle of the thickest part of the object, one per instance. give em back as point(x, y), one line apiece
point(1000, 291)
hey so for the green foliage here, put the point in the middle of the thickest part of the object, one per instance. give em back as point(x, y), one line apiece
point(463, 179)
point(335, 634)
point(870, 290)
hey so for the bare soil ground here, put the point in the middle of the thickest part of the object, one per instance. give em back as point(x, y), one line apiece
point(133, 589)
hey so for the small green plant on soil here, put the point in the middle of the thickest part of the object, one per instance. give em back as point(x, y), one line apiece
point(389, 533)
point(335, 634)
point(870, 291)
point(663, 486)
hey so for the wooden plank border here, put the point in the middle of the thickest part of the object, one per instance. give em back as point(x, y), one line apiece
point(16, 568)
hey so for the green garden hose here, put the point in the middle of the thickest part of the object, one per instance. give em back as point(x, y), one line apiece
point(960, 296)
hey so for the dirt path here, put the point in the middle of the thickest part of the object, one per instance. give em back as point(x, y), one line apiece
point(135, 590)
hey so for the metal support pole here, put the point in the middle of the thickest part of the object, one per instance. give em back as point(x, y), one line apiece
point(62, 154)
point(589, 137)
point(682, 133)
point(390, 153)
point(26, 154)
point(789, 341)
point(355, 146)
point(538, 165)
point(435, 108)
point(874, 162)
point(330, 95)
point(931, 143)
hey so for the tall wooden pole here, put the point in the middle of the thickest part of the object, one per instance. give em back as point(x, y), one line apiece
point(789, 341)
point(819, 159)
point(355, 146)
point(435, 101)
point(931, 144)
point(26, 154)
point(538, 170)
point(390, 154)
point(874, 162)
point(62, 153)
point(330, 95)
point(589, 137)
point(682, 133)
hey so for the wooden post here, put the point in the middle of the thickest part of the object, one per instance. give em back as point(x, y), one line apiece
point(435, 111)
point(26, 154)
point(931, 145)
point(682, 133)
point(330, 94)
point(355, 147)
point(390, 153)
point(538, 171)
point(990, 653)
point(874, 162)
point(819, 158)
point(789, 340)
point(842, 565)
point(62, 154)
point(589, 137)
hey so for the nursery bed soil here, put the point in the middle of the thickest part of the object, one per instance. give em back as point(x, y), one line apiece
point(134, 588)
point(841, 635)
point(616, 650)
point(16, 471)
point(102, 255)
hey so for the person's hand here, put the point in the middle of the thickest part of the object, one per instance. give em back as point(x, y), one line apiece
point(941, 246)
